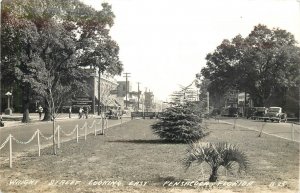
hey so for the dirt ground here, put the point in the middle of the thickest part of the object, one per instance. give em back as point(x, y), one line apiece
point(129, 158)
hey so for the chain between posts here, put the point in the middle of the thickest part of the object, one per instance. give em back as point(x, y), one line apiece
point(5, 142)
point(24, 143)
point(68, 134)
point(10, 138)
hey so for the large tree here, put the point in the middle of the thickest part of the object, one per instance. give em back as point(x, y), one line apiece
point(263, 63)
point(270, 63)
point(55, 40)
point(59, 34)
point(18, 45)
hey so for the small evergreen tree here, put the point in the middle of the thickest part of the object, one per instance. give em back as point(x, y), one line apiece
point(180, 123)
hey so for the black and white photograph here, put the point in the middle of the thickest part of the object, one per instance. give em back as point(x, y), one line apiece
point(149, 96)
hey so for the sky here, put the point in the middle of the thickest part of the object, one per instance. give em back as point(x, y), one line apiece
point(163, 43)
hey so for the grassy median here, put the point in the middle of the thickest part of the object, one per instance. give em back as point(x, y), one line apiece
point(129, 158)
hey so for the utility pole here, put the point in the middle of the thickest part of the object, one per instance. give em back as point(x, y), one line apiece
point(99, 93)
point(126, 86)
point(245, 103)
point(99, 85)
point(138, 107)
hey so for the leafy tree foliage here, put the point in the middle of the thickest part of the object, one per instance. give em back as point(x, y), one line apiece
point(260, 64)
point(46, 42)
point(18, 49)
point(180, 123)
point(49, 42)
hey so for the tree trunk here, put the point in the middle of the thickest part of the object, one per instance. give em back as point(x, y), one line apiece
point(54, 143)
point(25, 103)
point(26, 118)
point(214, 175)
point(47, 110)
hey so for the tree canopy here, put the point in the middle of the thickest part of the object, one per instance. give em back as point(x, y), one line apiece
point(46, 44)
point(263, 63)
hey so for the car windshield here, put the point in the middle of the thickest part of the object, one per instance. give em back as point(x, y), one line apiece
point(260, 108)
point(274, 109)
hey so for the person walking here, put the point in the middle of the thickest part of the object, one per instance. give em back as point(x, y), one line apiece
point(80, 112)
point(86, 112)
point(70, 112)
point(40, 111)
point(1, 121)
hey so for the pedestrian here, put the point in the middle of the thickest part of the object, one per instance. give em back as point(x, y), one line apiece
point(1, 121)
point(80, 112)
point(70, 112)
point(40, 111)
point(86, 112)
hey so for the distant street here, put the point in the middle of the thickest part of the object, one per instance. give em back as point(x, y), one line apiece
point(281, 130)
point(24, 132)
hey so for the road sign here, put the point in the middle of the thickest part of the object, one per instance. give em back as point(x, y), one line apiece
point(82, 101)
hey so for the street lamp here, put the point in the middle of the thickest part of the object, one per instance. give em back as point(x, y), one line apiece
point(8, 111)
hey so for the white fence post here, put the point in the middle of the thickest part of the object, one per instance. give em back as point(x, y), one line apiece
point(10, 150)
point(102, 125)
point(234, 123)
point(95, 128)
point(77, 133)
point(39, 145)
point(58, 136)
point(106, 123)
point(85, 127)
point(292, 132)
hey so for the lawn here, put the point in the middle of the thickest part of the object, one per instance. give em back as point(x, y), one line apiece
point(129, 158)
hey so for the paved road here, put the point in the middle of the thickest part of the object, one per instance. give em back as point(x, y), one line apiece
point(24, 132)
point(287, 131)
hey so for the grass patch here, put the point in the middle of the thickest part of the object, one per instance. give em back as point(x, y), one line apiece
point(132, 153)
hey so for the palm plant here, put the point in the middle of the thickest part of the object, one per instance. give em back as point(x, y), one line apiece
point(216, 155)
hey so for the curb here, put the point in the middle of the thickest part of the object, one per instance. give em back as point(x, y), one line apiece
point(238, 125)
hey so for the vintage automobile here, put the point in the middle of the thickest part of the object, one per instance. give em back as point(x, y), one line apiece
point(113, 114)
point(230, 112)
point(275, 114)
point(250, 111)
point(259, 112)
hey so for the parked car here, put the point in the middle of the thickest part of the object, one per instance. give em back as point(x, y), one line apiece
point(250, 111)
point(215, 112)
point(259, 112)
point(113, 114)
point(230, 112)
point(275, 114)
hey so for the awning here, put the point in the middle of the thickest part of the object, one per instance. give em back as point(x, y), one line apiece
point(110, 103)
point(117, 103)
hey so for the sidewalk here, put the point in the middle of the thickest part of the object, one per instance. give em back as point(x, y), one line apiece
point(16, 119)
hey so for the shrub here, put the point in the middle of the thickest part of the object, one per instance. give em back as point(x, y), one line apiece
point(180, 123)
point(216, 155)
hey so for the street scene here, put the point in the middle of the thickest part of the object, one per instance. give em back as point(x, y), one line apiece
point(149, 96)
